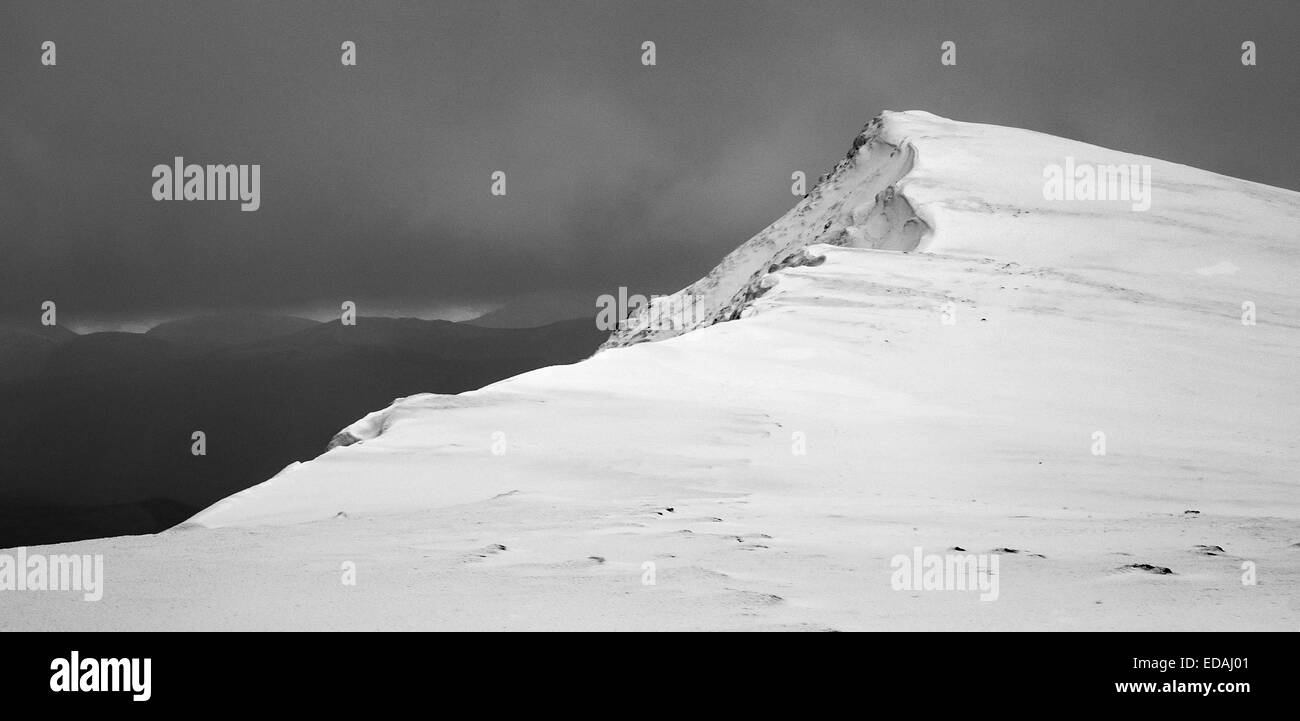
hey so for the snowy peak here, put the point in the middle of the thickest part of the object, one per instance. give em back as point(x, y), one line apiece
point(939, 288)
point(916, 182)
point(1077, 362)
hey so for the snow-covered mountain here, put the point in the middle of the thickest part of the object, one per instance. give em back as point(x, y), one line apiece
point(927, 352)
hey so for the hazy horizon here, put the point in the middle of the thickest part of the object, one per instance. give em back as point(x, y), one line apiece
point(322, 314)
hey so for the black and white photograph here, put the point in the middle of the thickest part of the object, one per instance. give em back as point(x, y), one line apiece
point(646, 316)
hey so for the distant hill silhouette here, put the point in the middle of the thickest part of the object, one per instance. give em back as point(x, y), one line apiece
point(24, 351)
point(211, 332)
point(538, 309)
point(97, 442)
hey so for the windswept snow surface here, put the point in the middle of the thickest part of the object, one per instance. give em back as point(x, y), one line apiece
point(682, 447)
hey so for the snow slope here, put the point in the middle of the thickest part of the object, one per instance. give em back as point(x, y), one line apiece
point(771, 466)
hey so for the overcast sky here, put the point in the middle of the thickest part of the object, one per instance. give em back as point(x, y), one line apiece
point(375, 178)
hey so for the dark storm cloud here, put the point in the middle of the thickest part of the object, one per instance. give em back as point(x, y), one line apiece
point(375, 178)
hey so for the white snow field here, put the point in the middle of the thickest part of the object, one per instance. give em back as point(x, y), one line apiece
point(536, 503)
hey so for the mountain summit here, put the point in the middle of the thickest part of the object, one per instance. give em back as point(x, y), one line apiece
point(914, 181)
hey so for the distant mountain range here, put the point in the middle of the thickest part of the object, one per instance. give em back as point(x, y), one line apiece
point(98, 427)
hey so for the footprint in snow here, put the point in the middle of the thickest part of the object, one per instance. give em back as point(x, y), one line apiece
point(1147, 568)
point(577, 564)
point(757, 598)
point(487, 551)
point(1014, 551)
